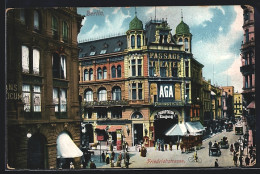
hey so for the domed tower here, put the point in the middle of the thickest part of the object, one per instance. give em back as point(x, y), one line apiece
point(135, 34)
point(183, 36)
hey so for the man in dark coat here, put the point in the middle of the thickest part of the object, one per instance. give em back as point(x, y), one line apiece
point(241, 160)
point(92, 165)
point(210, 145)
point(216, 163)
point(103, 156)
point(247, 161)
point(235, 159)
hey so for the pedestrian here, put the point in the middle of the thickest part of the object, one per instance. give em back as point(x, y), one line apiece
point(107, 158)
point(196, 156)
point(216, 163)
point(127, 158)
point(210, 145)
point(92, 165)
point(235, 159)
point(111, 147)
point(165, 147)
point(178, 143)
point(251, 152)
point(170, 146)
point(247, 160)
point(231, 148)
point(103, 156)
point(241, 160)
point(156, 147)
point(126, 146)
point(113, 155)
point(71, 165)
point(119, 157)
point(215, 144)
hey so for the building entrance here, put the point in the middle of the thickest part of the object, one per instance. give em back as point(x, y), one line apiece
point(163, 121)
point(138, 133)
point(36, 152)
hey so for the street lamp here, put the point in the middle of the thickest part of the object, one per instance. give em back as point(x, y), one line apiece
point(29, 134)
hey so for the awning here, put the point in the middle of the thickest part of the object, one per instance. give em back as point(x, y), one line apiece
point(195, 128)
point(251, 105)
point(114, 128)
point(66, 148)
point(177, 130)
point(101, 127)
point(212, 93)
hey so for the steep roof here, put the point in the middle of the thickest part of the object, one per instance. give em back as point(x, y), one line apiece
point(182, 28)
point(103, 46)
point(136, 24)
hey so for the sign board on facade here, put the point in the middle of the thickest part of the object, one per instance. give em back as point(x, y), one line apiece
point(165, 92)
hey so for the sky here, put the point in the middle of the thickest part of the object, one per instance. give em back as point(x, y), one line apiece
point(216, 33)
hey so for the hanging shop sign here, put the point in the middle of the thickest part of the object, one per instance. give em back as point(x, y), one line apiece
point(166, 114)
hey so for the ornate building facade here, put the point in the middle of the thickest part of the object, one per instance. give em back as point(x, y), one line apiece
point(42, 85)
point(137, 86)
point(248, 71)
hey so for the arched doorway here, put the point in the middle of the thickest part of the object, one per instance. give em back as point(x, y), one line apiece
point(163, 121)
point(37, 152)
point(137, 128)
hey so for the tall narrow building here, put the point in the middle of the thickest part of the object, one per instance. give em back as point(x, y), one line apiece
point(42, 87)
point(248, 71)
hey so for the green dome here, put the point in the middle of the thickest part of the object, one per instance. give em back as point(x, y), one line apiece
point(182, 28)
point(136, 24)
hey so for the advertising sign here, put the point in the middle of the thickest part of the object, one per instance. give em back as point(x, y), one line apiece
point(165, 92)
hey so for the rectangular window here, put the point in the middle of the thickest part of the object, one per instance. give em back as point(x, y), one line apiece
point(63, 100)
point(102, 113)
point(22, 16)
point(133, 91)
point(63, 67)
point(25, 59)
point(56, 99)
point(133, 67)
point(247, 35)
point(64, 31)
point(54, 27)
point(187, 91)
point(140, 91)
point(60, 102)
point(26, 97)
point(163, 71)
point(117, 49)
point(187, 68)
point(116, 113)
point(92, 53)
point(37, 99)
point(246, 81)
point(36, 61)
point(139, 67)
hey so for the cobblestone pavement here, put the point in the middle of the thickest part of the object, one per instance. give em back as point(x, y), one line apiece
point(176, 159)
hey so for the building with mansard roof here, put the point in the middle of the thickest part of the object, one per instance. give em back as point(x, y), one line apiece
point(136, 86)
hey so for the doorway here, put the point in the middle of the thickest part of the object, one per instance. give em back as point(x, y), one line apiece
point(138, 133)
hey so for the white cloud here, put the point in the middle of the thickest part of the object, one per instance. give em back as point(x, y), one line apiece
point(234, 75)
point(220, 28)
point(94, 8)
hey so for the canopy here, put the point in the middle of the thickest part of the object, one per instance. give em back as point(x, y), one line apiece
point(251, 105)
point(114, 128)
point(195, 128)
point(212, 93)
point(187, 128)
point(66, 148)
point(177, 130)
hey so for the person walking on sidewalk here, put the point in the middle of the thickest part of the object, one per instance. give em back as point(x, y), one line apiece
point(216, 163)
point(235, 159)
point(210, 145)
point(241, 160)
point(247, 160)
point(107, 158)
point(103, 156)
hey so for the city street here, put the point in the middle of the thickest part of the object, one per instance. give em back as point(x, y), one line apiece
point(174, 158)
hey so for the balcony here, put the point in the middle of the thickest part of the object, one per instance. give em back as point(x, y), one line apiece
point(106, 103)
point(248, 44)
point(247, 69)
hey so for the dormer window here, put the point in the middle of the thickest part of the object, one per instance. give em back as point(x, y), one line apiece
point(117, 49)
point(92, 53)
point(103, 51)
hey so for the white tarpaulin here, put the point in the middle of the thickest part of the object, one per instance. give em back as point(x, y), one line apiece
point(177, 130)
point(66, 148)
point(195, 128)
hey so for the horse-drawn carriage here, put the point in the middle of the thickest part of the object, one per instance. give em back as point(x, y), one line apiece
point(215, 151)
point(229, 126)
point(224, 143)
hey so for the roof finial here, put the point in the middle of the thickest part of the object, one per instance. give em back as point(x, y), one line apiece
point(181, 15)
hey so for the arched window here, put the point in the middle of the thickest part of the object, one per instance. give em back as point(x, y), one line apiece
point(54, 27)
point(186, 42)
point(104, 73)
point(65, 31)
point(137, 115)
point(118, 71)
point(36, 61)
point(133, 41)
point(102, 94)
point(180, 41)
point(85, 75)
point(138, 41)
point(113, 70)
point(99, 74)
point(91, 74)
point(116, 93)
point(88, 95)
point(36, 22)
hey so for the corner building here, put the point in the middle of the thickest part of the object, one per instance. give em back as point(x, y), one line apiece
point(136, 86)
point(42, 85)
